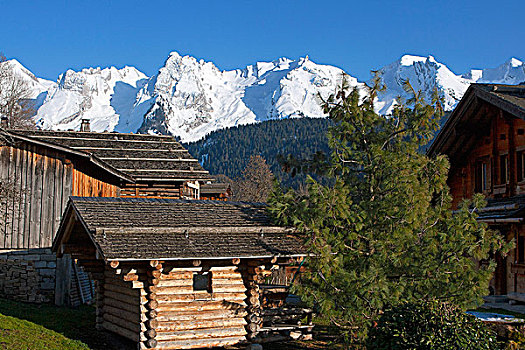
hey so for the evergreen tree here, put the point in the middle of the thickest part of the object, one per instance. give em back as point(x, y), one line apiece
point(383, 231)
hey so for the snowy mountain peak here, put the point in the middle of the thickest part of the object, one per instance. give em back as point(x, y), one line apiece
point(514, 62)
point(410, 60)
point(190, 97)
point(37, 86)
point(93, 93)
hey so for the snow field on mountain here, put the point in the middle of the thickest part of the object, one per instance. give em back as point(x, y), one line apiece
point(190, 98)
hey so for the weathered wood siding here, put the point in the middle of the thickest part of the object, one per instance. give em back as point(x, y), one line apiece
point(152, 190)
point(42, 179)
point(504, 138)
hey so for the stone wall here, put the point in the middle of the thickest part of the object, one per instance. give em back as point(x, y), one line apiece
point(28, 275)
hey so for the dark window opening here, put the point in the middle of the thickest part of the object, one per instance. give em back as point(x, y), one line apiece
point(481, 181)
point(521, 131)
point(521, 249)
point(520, 165)
point(504, 169)
point(202, 282)
point(502, 137)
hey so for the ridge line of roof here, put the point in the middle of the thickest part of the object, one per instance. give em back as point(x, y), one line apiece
point(164, 200)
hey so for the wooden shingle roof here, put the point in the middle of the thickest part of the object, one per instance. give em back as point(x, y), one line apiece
point(143, 157)
point(170, 229)
point(14, 136)
point(214, 188)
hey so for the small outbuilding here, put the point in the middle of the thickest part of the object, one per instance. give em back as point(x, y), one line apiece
point(177, 274)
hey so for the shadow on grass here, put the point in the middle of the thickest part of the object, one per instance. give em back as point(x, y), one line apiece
point(78, 323)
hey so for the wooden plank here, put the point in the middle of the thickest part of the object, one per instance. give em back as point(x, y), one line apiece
point(8, 231)
point(191, 297)
point(127, 290)
point(47, 202)
point(67, 183)
point(29, 194)
point(123, 322)
point(136, 309)
point(199, 343)
point(23, 198)
point(17, 181)
point(188, 289)
point(4, 164)
point(175, 282)
point(124, 314)
point(200, 324)
point(57, 198)
point(132, 300)
point(202, 334)
point(199, 315)
point(200, 305)
point(36, 200)
point(135, 336)
point(215, 269)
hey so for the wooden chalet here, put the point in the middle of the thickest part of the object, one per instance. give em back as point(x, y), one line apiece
point(484, 139)
point(159, 165)
point(43, 168)
point(218, 191)
point(179, 274)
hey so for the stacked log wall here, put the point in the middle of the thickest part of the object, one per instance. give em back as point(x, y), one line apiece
point(189, 319)
point(152, 190)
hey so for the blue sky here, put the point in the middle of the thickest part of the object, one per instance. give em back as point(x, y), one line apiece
point(51, 36)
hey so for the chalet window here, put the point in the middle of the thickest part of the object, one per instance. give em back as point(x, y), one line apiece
point(520, 168)
point(504, 169)
point(521, 250)
point(481, 176)
point(202, 282)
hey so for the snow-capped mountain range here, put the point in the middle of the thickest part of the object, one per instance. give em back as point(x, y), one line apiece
point(190, 98)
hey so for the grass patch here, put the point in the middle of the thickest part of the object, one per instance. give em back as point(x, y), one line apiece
point(75, 325)
point(16, 334)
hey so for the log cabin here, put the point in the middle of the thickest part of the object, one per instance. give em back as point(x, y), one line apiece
point(219, 191)
point(180, 274)
point(484, 139)
point(39, 170)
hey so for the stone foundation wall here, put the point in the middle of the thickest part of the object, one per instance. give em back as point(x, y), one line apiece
point(28, 275)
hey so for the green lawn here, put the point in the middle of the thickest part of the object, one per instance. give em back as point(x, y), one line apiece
point(29, 326)
point(16, 334)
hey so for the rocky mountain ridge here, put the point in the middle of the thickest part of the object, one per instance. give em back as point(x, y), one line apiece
point(190, 98)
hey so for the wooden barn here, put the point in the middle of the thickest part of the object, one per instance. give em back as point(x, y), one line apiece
point(484, 139)
point(179, 274)
point(39, 170)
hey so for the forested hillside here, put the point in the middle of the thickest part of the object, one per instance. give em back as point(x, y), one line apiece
point(228, 151)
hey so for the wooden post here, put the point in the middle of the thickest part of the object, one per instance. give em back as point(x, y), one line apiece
point(99, 303)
